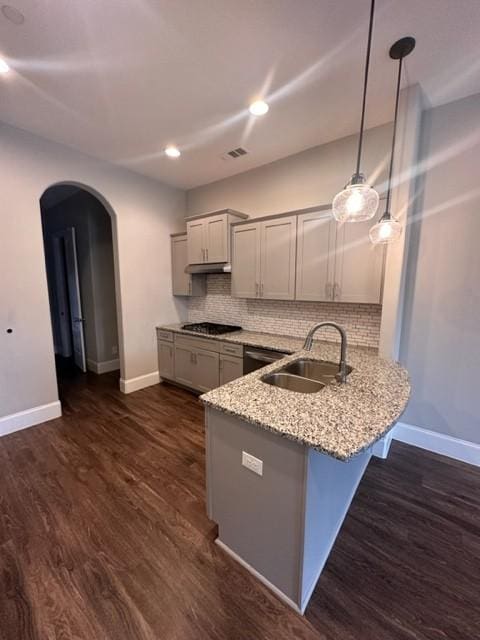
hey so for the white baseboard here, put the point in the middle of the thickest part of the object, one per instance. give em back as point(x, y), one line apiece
point(438, 443)
point(134, 384)
point(103, 367)
point(30, 417)
point(259, 576)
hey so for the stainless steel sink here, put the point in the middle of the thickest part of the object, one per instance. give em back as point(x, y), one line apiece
point(321, 370)
point(293, 383)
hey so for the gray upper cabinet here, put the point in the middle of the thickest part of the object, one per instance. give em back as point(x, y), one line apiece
point(277, 258)
point(196, 241)
point(263, 263)
point(208, 236)
point(315, 250)
point(246, 260)
point(337, 263)
point(359, 265)
point(184, 284)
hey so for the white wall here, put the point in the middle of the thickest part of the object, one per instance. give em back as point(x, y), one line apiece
point(145, 213)
point(441, 330)
point(305, 179)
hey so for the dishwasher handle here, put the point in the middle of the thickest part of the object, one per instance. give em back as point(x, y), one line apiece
point(263, 357)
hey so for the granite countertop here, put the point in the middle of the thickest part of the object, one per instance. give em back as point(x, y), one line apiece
point(285, 344)
point(341, 420)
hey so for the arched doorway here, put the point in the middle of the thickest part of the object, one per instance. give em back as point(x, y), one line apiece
point(79, 234)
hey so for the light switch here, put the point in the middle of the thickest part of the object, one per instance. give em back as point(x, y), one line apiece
point(252, 463)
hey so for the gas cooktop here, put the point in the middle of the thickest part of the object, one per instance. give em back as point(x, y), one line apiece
point(210, 328)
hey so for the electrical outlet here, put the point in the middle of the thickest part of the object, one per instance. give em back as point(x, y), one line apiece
point(114, 350)
point(252, 463)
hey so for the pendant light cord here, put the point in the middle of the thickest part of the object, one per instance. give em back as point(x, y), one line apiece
point(365, 82)
point(390, 172)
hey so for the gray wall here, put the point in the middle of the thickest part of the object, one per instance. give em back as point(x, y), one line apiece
point(93, 230)
point(441, 330)
point(305, 179)
point(144, 211)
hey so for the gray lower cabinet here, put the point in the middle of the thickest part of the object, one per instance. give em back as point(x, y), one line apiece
point(207, 375)
point(165, 359)
point(184, 366)
point(231, 368)
point(199, 363)
point(196, 368)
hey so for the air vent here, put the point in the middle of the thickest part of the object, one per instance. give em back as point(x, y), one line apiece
point(235, 153)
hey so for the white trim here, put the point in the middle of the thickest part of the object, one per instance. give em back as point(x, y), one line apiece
point(30, 417)
point(381, 448)
point(134, 384)
point(259, 576)
point(103, 367)
point(455, 448)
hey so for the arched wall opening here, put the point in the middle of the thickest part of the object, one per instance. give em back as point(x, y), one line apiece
point(81, 253)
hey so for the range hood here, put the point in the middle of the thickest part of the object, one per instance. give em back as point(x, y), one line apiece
point(214, 267)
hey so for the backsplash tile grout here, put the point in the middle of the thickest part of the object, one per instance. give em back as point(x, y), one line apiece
point(286, 317)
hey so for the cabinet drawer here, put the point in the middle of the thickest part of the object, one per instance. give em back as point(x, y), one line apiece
point(197, 343)
point(232, 349)
point(162, 334)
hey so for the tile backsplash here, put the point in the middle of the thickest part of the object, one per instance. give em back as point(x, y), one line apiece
point(287, 317)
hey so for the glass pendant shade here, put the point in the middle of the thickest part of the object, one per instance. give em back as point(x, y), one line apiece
point(356, 203)
point(385, 231)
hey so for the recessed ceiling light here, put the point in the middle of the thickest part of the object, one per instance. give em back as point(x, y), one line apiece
point(172, 151)
point(258, 108)
point(13, 14)
point(4, 68)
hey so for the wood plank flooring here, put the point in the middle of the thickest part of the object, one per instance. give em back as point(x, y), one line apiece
point(103, 536)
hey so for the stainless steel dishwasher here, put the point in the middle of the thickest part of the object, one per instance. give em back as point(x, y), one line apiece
point(254, 359)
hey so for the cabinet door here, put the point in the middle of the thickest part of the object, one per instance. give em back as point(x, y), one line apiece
point(231, 368)
point(184, 366)
point(181, 281)
point(216, 244)
point(206, 370)
point(277, 258)
point(246, 260)
point(165, 359)
point(196, 241)
point(358, 265)
point(315, 247)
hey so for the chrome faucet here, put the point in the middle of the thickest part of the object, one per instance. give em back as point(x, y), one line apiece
point(343, 345)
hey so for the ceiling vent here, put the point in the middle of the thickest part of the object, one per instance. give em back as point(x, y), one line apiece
point(235, 153)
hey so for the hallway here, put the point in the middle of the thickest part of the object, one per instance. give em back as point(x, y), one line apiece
point(103, 535)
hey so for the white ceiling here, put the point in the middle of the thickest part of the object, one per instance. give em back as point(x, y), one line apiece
point(121, 79)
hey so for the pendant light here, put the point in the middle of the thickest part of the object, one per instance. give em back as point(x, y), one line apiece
point(387, 228)
point(358, 201)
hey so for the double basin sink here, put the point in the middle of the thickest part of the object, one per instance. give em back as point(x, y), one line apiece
point(305, 376)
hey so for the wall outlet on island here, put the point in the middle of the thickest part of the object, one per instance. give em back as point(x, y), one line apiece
point(252, 463)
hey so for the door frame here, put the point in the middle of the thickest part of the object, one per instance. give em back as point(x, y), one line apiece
point(74, 295)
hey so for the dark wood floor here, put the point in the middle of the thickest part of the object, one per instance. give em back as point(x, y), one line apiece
point(103, 536)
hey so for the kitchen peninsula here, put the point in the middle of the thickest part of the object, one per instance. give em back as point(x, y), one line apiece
point(283, 467)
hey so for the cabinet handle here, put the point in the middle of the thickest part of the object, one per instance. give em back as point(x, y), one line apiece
point(256, 290)
point(206, 253)
point(337, 291)
point(261, 290)
point(203, 255)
